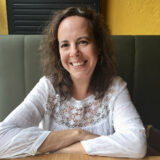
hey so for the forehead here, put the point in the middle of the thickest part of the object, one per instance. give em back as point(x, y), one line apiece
point(74, 25)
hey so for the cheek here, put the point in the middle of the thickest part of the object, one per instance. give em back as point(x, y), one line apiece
point(94, 54)
point(63, 58)
point(95, 59)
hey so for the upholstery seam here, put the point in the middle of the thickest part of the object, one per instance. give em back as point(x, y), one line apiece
point(24, 66)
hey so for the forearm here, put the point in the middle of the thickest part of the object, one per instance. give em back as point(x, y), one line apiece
point(74, 148)
point(59, 139)
point(77, 147)
point(62, 139)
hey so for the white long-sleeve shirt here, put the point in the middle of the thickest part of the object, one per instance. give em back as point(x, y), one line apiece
point(114, 118)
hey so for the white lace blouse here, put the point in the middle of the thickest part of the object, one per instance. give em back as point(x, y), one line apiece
point(114, 118)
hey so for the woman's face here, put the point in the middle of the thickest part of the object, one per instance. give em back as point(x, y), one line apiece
point(77, 48)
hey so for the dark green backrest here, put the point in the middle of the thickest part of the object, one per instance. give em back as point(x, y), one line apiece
point(19, 69)
point(138, 59)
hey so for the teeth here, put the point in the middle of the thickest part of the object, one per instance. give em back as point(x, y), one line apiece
point(77, 64)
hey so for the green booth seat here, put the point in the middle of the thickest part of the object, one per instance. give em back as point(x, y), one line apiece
point(138, 59)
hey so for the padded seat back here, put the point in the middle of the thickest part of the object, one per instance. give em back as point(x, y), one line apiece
point(138, 59)
point(19, 69)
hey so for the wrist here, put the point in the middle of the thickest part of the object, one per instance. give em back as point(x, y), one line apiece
point(79, 134)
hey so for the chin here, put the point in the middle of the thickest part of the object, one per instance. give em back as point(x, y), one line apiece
point(81, 77)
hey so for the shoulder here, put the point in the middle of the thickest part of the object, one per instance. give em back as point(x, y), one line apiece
point(46, 80)
point(45, 83)
point(116, 87)
point(118, 83)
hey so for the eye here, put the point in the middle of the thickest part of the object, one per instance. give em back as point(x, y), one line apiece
point(83, 42)
point(64, 45)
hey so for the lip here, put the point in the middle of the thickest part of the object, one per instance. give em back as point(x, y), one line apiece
point(78, 63)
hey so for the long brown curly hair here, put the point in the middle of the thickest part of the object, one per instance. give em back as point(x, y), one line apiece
point(105, 69)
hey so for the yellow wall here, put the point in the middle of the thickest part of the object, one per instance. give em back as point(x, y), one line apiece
point(133, 17)
point(125, 17)
point(3, 18)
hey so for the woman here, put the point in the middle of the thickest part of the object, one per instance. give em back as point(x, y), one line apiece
point(82, 105)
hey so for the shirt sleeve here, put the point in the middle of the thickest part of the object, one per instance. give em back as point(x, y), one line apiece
point(20, 135)
point(128, 140)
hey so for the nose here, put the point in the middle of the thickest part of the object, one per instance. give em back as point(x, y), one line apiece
point(74, 51)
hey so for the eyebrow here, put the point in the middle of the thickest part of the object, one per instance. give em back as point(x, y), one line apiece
point(79, 38)
point(63, 41)
point(83, 37)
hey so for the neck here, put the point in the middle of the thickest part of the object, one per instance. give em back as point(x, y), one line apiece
point(80, 89)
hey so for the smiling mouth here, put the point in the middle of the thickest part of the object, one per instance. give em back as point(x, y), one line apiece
point(76, 64)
